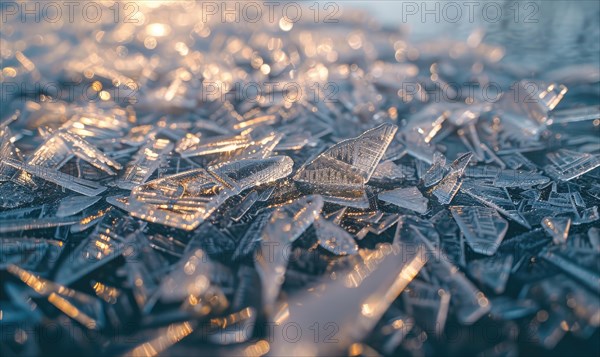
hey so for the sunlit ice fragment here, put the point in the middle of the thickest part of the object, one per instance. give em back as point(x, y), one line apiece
point(79, 185)
point(492, 272)
point(567, 164)
point(233, 328)
point(185, 200)
point(243, 174)
point(285, 225)
point(448, 187)
point(89, 219)
point(52, 154)
point(144, 163)
point(349, 163)
point(353, 302)
point(483, 227)
point(256, 121)
point(334, 238)
point(89, 153)
point(410, 198)
point(103, 245)
point(428, 122)
point(164, 338)
point(181, 201)
point(78, 306)
point(74, 204)
point(198, 146)
point(258, 149)
point(557, 228)
point(7, 150)
point(387, 170)
point(93, 123)
point(436, 171)
point(190, 283)
point(527, 105)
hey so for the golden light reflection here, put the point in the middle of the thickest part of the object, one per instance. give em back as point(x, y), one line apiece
point(167, 338)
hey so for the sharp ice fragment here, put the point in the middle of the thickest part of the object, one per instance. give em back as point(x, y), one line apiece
point(483, 227)
point(557, 228)
point(410, 198)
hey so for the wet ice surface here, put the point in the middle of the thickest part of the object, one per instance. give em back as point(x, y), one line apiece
point(180, 213)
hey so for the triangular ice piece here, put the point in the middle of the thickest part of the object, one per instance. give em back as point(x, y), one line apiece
point(483, 227)
point(557, 228)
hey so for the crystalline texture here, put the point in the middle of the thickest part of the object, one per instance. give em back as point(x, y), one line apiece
point(410, 198)
point(349, 163)
point(568, 164)
point(483, 227)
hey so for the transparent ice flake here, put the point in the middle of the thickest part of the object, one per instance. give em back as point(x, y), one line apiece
point(33, 254)
point(74, 204)
point(557, 228)
point(349, 163)
point(483, 227)
point(334, 238)
point(567, 164)
point(436, 171)
point(494, 197)
point(144, 163)
point(410, 198)
point(449, 185)
point(353, 302)
point(519, 178)
point(428, 304)
point(285, 225)
point(243, 174)
point(492, 272)
point(103, 245)
point(79, 185)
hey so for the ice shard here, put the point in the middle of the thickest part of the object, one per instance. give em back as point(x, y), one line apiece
point(104, 244)
point(74, 204)
point(334, 238)
point(145, 162)
point(350, 163)
point(449, 185)
point(483, 227)
point(410, 198)
point(285, 225)
point(79, 185)
point(352, 303)
point(567, 164)
point(494, 197)
point(78, 306)
point(557, 228)
point(243, 174)
point(492, 272)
